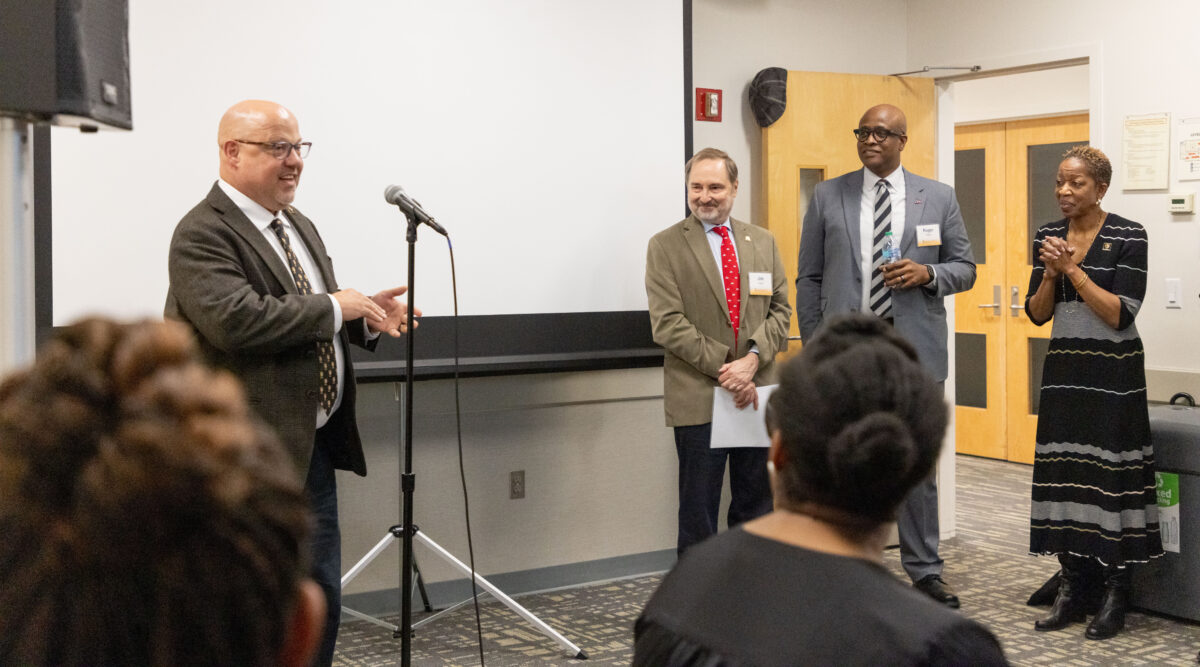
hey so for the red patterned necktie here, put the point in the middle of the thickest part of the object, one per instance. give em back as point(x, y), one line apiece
point(733, 280)
point(326, 363)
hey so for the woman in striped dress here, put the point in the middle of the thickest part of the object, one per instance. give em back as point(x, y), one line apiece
point(1093, 504)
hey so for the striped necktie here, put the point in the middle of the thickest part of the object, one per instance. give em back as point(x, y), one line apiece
point(881, 295)
point(326, 363)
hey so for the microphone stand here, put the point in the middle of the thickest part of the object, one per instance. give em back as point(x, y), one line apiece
point(408, 481)
point(406, 531)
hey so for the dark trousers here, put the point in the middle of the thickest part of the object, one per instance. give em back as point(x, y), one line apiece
point(321, 486)
point(701, 474)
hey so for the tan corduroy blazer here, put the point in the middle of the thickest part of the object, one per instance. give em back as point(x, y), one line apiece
point(690, 318)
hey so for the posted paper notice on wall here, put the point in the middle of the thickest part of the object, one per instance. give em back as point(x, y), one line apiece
point(1147, 151)
point(1187, 147)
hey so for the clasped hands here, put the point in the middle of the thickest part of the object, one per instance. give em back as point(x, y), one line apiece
point(737, 377)
point(1056, 255)
point(384, 312)
point(904, 274)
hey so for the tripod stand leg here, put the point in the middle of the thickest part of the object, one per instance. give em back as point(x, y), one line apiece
point(366, 560)
point(362, 563)
point(419, 581)
point(524, 613)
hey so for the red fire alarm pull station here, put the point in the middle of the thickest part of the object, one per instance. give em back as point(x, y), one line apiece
point(708, 104)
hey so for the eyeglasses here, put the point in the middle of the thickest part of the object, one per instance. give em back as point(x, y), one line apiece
point(281, 149)
point(879, 133)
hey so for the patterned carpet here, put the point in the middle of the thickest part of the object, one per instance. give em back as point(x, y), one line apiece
point(987, 562)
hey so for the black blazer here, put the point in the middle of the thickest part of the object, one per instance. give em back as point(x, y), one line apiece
point(238, 296)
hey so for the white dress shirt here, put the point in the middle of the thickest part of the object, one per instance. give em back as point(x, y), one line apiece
point(261, 218)
point(866, 222)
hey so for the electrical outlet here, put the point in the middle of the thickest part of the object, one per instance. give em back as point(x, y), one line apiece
point(516, 485)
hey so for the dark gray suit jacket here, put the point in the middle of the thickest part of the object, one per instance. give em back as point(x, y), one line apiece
point(228, 283)
point(829, 276)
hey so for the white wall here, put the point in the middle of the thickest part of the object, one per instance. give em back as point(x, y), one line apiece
point(599, 473)
point(732, 40)
point(600, 464)
point(1142, 60)
point(1048, 92)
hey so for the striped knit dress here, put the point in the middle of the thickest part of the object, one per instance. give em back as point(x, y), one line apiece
point(1093, 470)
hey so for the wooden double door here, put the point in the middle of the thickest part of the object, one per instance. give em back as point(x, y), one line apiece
point(1004, 179)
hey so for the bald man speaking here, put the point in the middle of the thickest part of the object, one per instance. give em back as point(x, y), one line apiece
point(251, 276)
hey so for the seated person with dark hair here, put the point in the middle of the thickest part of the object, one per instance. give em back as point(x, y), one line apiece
point(855, 423)
point(147, 518)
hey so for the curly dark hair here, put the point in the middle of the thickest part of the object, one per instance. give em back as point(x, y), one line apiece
point(860, 421)
point(147, 518)
point(1097, 163)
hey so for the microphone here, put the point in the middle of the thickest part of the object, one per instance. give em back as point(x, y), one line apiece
point(395, 195)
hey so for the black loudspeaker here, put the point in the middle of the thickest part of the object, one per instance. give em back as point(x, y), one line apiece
point(66, 62)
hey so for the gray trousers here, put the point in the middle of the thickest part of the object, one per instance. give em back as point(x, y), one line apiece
point(919, 532)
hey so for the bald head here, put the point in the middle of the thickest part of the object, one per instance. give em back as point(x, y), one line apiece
point(249, 166)
point(895, 118)
point(882, 157)
point(249, 115)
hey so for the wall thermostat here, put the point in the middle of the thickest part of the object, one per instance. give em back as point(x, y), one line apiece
point(1180, 203)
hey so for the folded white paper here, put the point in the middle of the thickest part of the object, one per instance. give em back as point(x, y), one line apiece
point(747, 427)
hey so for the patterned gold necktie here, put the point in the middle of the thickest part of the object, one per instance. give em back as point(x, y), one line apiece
point(326, 363)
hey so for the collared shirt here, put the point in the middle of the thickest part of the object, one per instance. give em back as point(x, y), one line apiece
point(714, 241)
point(866, 222)
point(261, 218)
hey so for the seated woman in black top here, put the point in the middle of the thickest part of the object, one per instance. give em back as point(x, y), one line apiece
point(855, 423)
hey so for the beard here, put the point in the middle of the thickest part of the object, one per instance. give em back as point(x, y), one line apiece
point(713, 215)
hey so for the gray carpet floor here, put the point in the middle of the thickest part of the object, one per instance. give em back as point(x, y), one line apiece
point(987, 562)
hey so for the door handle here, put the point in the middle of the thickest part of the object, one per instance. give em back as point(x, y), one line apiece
point(995, 304)
point(1016, 307)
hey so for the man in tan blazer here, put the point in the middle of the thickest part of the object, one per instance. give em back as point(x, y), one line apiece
point(718, 305)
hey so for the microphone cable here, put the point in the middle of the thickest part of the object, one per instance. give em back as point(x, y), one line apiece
point(462, 473)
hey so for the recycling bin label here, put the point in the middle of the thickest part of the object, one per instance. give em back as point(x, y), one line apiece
point(1166, 485)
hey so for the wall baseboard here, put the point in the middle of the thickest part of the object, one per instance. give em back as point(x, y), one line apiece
point(445, 593)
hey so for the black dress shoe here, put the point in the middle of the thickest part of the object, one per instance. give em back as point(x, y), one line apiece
point(939, 590)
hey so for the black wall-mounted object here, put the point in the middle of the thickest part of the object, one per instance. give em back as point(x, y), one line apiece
point(66, 62)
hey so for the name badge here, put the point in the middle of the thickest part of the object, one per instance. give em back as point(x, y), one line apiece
point(760, 283)
point(928, 235)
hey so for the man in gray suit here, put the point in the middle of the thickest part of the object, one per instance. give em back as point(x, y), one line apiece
point(842, 269)
point(717, 293)
point(251, 276)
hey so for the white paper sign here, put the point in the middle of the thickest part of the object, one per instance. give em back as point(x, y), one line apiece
point(1187, 148)
point(747, 427)
point(1147, 150)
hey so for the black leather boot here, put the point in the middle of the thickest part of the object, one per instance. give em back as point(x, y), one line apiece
point(1069, 602)
point(1111, 617)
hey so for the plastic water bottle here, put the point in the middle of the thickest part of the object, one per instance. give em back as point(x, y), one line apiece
point(891, 250)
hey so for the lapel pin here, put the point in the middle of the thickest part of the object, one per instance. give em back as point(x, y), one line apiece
point(1107, 245)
